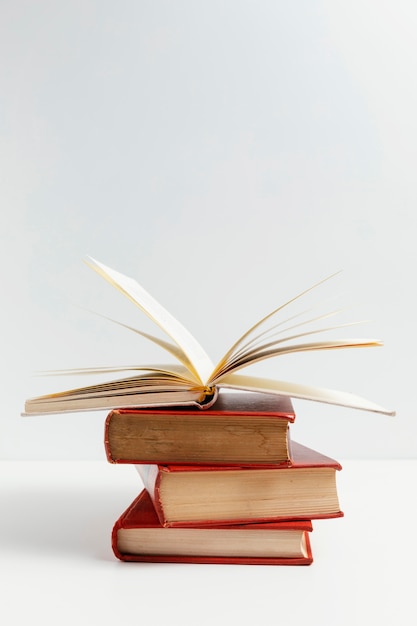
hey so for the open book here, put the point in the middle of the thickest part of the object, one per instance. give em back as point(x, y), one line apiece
point(194, 379)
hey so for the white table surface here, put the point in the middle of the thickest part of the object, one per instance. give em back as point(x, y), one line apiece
point(57, 567)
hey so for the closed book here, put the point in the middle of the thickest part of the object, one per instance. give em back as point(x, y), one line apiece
point(241, 428)
point(185, 495)
point(138, 536)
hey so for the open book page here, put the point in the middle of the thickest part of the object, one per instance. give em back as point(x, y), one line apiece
point(194, 378)
point(257, 347)
point(187, 368)
point(303, 392)
point(150, 386)
point(150, 398)
point(261, 339)
point(192, 354)
point(270, 350)
point(167, 371)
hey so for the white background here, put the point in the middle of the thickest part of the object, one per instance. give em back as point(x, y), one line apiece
point(227, 155)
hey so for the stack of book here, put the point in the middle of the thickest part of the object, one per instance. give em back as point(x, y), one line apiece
point(224, 485)
point(223, 480)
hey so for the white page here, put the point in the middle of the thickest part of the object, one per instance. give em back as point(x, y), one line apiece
point(304, 392)
point(193, 351)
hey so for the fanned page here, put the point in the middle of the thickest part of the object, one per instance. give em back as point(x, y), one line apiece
point(190, 351)
point(303, 392)
point(260, 341)
point(269, 342)
point(151, 386)
point(194, 379)
point(271, 350)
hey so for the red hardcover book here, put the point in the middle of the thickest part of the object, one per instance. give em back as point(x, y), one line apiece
point(241, 428)
point(138, 536)
point(195, 495)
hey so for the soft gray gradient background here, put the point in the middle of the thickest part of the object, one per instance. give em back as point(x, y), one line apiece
point(227, 155)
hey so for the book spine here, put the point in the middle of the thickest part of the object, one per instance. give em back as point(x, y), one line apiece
point(106, 438)
point(114, 542)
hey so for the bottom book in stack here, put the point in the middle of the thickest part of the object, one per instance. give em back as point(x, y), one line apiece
point(139, 536)
point(224, 514)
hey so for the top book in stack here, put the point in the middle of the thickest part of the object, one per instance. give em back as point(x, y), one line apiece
point(240, 429)
point(195, 380)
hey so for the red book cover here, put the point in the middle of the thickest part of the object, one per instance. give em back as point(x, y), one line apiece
point(138, 536)
point(240, 429)
point(195, 495)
